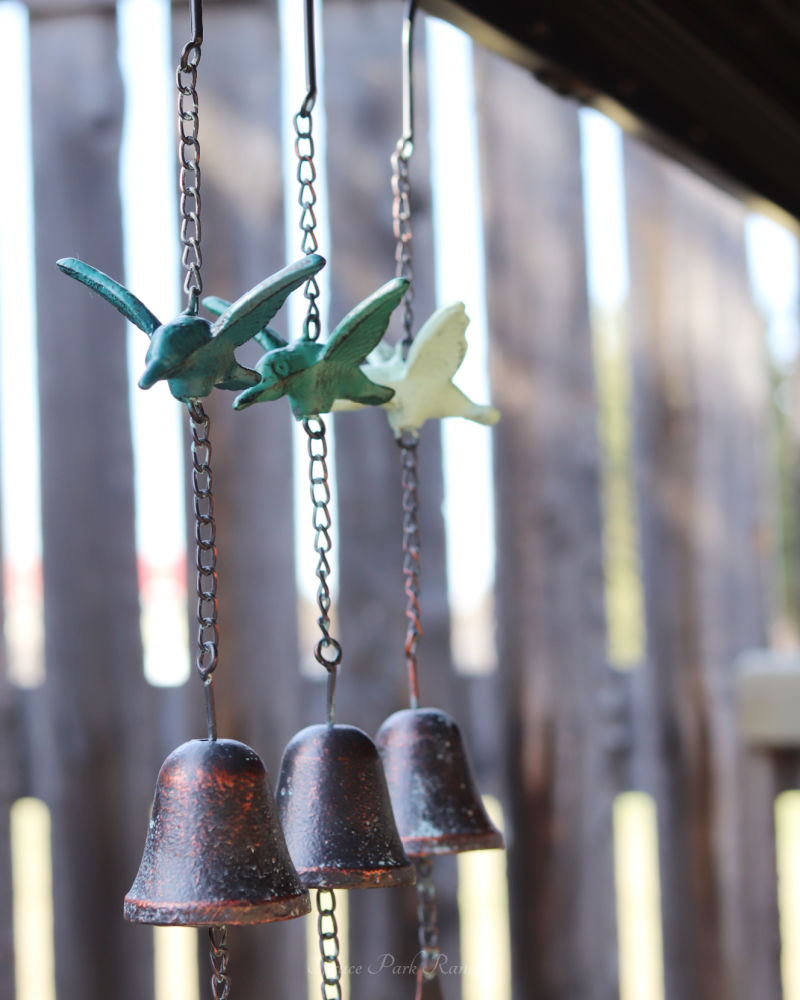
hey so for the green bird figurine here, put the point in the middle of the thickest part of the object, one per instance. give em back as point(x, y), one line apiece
point(191, 354)
point(315, 375)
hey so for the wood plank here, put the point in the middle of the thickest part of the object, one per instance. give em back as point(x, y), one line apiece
point(257, 682)
point(363, 103)
point(700, 417)
point(93, 754)
point(551, 632)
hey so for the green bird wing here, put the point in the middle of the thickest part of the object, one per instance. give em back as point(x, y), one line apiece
point(112, 291)
point(251, 313)
point(363, 327)
point(267, 338)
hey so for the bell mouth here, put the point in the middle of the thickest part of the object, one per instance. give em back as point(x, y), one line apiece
point(212, 914)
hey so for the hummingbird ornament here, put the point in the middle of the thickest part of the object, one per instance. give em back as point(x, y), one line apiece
point(422, 382)
point(190, 353)
point(313, 375)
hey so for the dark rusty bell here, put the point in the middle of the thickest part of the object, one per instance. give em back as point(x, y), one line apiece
point(215, 853)
point(434, 795)
point(336, 812)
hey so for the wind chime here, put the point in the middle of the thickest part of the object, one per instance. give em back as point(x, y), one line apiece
point(220, 850)
point(435, 799)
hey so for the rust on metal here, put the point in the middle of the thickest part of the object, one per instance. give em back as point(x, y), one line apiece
point(336, 812)
point(436, 802)
point(215, 853)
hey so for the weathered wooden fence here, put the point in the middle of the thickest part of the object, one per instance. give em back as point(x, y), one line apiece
point(557, 732)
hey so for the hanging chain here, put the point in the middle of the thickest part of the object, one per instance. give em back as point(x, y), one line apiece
point(307, 199)
point(427, 915)
point(205, 557)
point(328, 652)
point(218, 953)
point(401, 224)
point(328, 931)
point(411, 561)
point(189, 180)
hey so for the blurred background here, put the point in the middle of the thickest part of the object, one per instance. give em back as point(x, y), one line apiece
point(594, 567)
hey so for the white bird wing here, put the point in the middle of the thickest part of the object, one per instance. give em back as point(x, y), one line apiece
point(440, 345)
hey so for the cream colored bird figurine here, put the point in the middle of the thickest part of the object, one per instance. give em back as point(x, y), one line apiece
point(423, 388)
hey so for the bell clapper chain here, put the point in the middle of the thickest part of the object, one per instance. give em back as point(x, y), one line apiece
point(408, 441)
point(327, 651)
point(205, 528)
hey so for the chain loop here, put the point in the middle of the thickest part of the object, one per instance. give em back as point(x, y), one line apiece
point(401, 225)
point(205, 533)
point(328, 652)
point(411, 561)
point(218, 953)
point(189, 180)
point(307, 199)
point(427, 915)
point(328, 930)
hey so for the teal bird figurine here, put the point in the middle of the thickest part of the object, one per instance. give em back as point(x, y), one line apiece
point(189, 352)
point(315, 375)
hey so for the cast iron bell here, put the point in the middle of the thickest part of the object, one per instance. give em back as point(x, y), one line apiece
point(336, 812)
point(435, 799)
point(215, 853)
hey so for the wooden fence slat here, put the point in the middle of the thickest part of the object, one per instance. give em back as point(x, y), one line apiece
point(92, 753)
point(362, 93)
point(700, 390)
point(551, 632)
point(257, 683)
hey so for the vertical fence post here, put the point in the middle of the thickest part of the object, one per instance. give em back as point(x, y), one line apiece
point(93, 741)
point(700, 394)
point(551, 632)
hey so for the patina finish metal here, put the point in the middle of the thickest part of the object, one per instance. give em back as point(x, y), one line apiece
point(434, 795)
point(336, 814)
point(215, 853)
point(192, 354)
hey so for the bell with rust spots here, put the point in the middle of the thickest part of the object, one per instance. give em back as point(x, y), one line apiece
point(434, 795)
point(336, 812)
point(215, 853)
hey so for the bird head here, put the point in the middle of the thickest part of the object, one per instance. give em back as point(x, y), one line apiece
point(171, 345)
point(278, 369)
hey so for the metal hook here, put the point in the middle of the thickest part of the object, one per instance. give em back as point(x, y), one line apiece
point(407, 141)
point(311, 61)
point(196, 16)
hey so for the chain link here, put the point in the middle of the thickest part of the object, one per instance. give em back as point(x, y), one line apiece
point(218, 953)
point(189, 180)
point(411, 561)
point(427, 916)
point(328, 652)
point(205, 533)
point(330, 966)
point(307, 199)
point(401, 224)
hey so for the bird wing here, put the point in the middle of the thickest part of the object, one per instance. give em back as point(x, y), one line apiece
point(255, 308)
point(363, 327)
point(441, 344)
point(112, 291)
point(267, 338)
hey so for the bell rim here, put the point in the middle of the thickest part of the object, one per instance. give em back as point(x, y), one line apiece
point(358, 878)
point(213, 914)
point(452, 843)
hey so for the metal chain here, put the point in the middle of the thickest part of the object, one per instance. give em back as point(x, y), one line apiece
point(307, 199)
point(218, 953)
point(411, 562)
point(427, 916)
point(330, 966)
point(205, 557)
point(189, 180)
point(401, 224)
point(328, 652)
